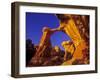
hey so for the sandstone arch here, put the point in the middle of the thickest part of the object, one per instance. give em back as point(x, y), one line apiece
point(68, 26)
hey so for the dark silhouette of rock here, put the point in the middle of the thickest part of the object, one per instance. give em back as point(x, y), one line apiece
point(30, 50)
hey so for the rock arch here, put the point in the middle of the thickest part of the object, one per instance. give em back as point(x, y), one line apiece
point(69, 27)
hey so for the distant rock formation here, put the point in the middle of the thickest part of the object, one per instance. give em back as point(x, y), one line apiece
point(69, 49)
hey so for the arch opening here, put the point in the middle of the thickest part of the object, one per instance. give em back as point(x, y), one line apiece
point(57, 38)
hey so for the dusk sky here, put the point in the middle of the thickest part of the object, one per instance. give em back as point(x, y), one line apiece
point(35, 23)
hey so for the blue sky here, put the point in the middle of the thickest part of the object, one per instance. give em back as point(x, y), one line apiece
point(36, 21)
